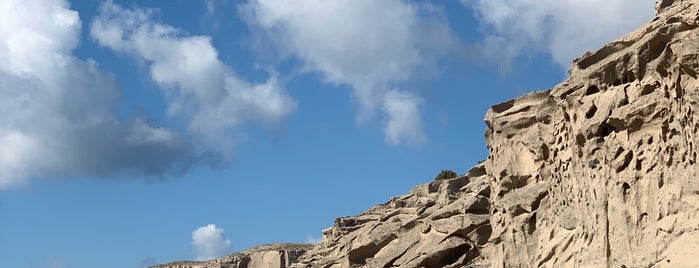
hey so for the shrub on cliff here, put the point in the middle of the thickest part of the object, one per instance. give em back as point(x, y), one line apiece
point(445, 175)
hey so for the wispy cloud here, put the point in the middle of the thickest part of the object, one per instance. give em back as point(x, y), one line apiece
point(565, 29)
point(402, 109)
point(198, 86)
point(372, 46)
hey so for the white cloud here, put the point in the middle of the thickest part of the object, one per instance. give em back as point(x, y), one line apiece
point(372, 46)
point(563, 28)
point(209, 242)
point(198, 85)
point(18, 150)
point(57, 109)
point(404, 124)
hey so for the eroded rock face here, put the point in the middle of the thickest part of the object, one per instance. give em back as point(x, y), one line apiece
point(599, 171)
point(440, 224)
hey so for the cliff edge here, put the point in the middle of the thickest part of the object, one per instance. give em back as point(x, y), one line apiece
point(599, 171)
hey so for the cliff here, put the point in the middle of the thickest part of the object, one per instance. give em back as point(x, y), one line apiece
point(599, 171)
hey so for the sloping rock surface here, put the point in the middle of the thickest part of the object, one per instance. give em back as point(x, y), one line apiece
point(599, 171)
point(440, 224)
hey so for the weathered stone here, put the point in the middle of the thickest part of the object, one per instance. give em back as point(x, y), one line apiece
point(264, 256)
point(600, 171)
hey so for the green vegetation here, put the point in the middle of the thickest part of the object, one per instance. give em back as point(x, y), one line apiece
point(445, 175)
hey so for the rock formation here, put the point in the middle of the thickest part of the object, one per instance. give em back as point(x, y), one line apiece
point(599, 171)
point(445, 223)
point(268, 256)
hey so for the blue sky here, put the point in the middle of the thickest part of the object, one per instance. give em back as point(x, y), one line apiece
point(136, 132)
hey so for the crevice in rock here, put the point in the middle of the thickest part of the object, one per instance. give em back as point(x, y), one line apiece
point(531, 224)
point(499, 108)
point(521, 110)
point(361, 253)
point(591, 111)
point(647, 89)
point(392, 261)
point(604, 130)
point(449, 256)
point(625, 188)
point(626, 162)
point(591, 90)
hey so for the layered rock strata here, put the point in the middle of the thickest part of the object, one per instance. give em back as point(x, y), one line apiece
point(439, 224)
point(599, 171)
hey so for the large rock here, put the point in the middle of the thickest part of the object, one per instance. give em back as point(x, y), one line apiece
point(599, 171)
point(445, 223)
point(609, 154)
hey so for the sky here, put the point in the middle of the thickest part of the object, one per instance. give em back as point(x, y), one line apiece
point(136, 132)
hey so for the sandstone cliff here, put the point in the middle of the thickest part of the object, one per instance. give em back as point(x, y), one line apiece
point(599, 171)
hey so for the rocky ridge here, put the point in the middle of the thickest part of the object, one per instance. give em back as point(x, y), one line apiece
point(268, 256)
point(599, 171)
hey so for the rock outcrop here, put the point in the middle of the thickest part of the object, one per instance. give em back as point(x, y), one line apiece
point(599, 171)
point(445, 223)
point(268, 256)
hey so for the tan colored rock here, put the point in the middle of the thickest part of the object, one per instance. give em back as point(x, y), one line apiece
point(264, 256)
point(440, 224)
point(615, 171)
point(600, 171)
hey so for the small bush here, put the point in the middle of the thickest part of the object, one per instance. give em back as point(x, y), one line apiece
point(445, 175)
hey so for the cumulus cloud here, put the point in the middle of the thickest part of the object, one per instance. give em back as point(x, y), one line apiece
point(369, 45)
point(209, 242)
point(198, 86)
point(56, 109)
point(565, 29)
